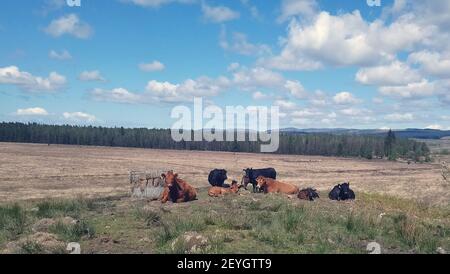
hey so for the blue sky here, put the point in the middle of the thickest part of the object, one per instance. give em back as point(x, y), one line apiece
point(127, 63)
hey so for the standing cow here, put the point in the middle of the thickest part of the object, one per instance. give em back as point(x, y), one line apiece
point(217, 177)
point(251, 175)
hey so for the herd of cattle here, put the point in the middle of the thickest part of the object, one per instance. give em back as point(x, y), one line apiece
point(177, 190)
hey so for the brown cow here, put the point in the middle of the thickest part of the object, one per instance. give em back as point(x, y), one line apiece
point(273, 186)
point(177, 190)
point(216, 191)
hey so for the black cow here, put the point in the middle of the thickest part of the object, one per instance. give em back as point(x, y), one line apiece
point(342, 192)
point(335, 193)
point(217, 177)
point(346, 192)
point(251, 175)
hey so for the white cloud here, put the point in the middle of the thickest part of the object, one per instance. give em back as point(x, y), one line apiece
point(90, 76)
point(296, 89)
point(258, 95)
point(79, 117)
point(435, 126)
point(306, 113)
point(396, 73)
point(432, 63)
point(166, 92)
point(26, 81)
point(285, 105)
point(240, 44)
point(400, 117)
point(37, 111)
point(410, 91)
point(344, 40)
point(186, 91)
point(354, 112)
point(153, 66)
point(303, 8)
point(117, 95)
point(248, 79)
point(71, 25)
point(156, 3)
point(345, 98)
point(62, 55)
point(218, 14)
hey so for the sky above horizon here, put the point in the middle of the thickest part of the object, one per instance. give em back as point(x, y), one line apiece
point(326, 64)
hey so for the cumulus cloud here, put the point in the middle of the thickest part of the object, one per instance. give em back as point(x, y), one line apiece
point(153, 66)
point(69, 25)
point(251, 78)
point(62, 55)
point(258, 95)
point(156, 3)
point(411, 90)
point(186, 91)
point(396, 73)
point(432, 63)
point(79, 117)
point(344, 40)
point(28, 82)
point(296, 89)
point(117, 95)
point(285, 104)
point(166, 92)
point(91, 76)
point(218, 14)
point(36, 111)
point(345, 98)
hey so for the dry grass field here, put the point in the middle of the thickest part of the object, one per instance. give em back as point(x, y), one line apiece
point(33, 171)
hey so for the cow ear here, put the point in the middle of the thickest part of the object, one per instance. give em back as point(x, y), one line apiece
point(163, 175)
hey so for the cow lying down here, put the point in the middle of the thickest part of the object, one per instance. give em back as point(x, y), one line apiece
point(221, 191)
point(176, 189)
point(308, 194)
point(269, 185)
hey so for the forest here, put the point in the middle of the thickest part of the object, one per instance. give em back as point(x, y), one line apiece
point(324, 144)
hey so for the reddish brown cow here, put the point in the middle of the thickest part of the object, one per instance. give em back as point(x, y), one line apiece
point(177, 190)
point(273, 186)
point(220, 191)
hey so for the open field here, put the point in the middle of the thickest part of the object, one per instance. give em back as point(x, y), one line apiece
point(29, 171)
point(53, 195)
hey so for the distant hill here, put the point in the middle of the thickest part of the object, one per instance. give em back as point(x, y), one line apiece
point(401, 133)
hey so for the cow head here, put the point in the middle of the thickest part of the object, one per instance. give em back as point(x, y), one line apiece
point(261, 182)
point(170, 178)
point(345, 189)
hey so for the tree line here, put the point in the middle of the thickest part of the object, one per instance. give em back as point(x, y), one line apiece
point(366, 146)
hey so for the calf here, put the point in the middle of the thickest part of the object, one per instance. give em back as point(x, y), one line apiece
point(177, 190)
point(251, 175)
point(308, 194)
point(216, 191)
point(269, 185)
point(217, 177)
